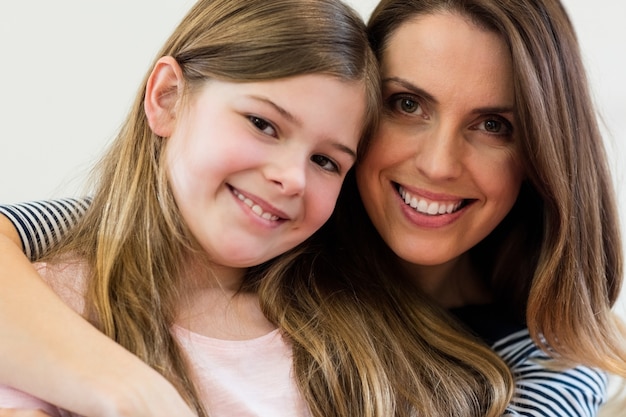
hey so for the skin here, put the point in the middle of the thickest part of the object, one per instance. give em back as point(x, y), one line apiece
point(447, 141)
point(22, 413)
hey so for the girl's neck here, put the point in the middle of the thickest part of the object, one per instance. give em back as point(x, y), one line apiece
point(202, 274)
point(455, 283)
point(212, 304)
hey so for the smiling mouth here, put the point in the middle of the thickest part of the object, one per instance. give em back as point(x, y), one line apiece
point(255, 208)
point(430, 208)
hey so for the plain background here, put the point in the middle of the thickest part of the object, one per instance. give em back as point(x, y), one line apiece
point(69, 70)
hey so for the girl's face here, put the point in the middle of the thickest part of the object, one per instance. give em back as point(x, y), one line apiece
point(256, 168)
point(443, 169)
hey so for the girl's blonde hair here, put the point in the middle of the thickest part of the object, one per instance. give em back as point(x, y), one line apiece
point(133, 237)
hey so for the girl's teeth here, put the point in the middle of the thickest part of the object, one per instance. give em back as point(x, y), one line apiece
point(256, 209)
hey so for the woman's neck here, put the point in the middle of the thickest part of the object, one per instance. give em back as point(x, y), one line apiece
point(453, 284)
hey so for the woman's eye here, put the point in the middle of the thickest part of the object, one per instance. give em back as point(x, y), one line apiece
point(496, 126)
point(325, 163)
point(406, 105)
point(263, 125)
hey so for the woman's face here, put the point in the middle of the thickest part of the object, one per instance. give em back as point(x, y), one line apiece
point(443, 169)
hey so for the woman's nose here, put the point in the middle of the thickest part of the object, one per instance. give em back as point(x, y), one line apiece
point(438, 155)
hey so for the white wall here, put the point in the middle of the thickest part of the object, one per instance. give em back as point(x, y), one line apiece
point(69, 69)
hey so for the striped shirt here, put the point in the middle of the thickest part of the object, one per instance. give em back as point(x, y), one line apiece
point(544, 392)
point(540, 390)
point(40, 224)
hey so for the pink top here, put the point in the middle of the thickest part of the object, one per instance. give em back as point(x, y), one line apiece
point(244, 378)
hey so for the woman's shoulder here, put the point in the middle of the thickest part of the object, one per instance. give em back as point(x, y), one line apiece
point(542, 387)
point(545, 388)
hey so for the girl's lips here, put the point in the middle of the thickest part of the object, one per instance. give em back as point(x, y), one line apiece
point(259, 207)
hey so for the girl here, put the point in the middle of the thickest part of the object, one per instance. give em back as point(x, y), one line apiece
point(233, 154)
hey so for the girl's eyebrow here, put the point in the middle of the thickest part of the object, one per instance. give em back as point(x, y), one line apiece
point(295, 120)
point(343, 148)
point(284, 112)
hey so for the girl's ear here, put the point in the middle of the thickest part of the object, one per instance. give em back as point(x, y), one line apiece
point(163, 91)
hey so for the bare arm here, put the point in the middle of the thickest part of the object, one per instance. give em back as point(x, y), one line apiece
point(54, 354)
point(8, 231)
point(22, 413)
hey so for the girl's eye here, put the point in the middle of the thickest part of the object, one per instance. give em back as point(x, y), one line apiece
point(496, 126)
point(325, 163)
point(405, 104)
point(263, 125)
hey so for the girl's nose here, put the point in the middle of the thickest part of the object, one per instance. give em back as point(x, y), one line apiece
point(288, 172)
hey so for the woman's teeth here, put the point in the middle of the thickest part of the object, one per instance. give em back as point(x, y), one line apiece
point(431, 208)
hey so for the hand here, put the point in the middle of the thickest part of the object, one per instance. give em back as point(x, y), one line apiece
point(140, 392)
point(13, 412)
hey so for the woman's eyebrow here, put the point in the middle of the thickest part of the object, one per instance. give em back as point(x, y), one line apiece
point(411, 87)
point(494, 109)
point(424, 94)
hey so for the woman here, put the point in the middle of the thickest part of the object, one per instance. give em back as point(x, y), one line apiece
point(487, 180)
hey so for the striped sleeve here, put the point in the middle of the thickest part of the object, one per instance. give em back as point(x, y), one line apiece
point(40, 224)
point(543, 391)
